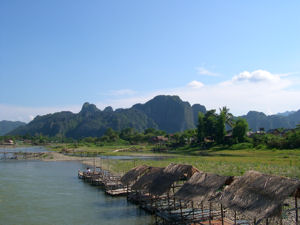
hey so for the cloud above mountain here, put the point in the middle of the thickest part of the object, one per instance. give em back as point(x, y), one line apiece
point(258, 90)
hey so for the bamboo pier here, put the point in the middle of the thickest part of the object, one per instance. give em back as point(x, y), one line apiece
point(181, 194)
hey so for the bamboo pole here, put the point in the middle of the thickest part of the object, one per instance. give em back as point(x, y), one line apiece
point(296, 206)
point(234, 217)
point(193, 210)
point(168, 196)
point(202, 211)
point(222, 215)
point(210, 216)
point(173, 188)
point(181, 210)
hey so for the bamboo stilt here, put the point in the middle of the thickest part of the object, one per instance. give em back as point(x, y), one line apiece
point(296, 206)
point(222, 215)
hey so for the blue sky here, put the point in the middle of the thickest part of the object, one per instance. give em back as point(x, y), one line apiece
point(55, 55)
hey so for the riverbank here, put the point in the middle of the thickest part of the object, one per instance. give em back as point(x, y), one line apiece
point(220, 161)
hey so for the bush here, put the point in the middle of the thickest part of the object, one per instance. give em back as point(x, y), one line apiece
point(244, 145)
point(261, 146)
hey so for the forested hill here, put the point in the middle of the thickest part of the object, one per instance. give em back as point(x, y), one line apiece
point(257, 120)
point(8, 126)
point(168, 113)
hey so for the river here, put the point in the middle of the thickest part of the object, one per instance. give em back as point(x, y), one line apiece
point(35, 192)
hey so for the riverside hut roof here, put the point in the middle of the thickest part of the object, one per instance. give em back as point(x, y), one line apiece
point(131, 176)
point(172, 173)
point(145, 181)
point(258, 195)
point(202, 187)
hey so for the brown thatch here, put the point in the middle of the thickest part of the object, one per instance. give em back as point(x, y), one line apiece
point(258, 195)
point(202, 187)
point(132, 175)
point(172, 173)
point(146, 180)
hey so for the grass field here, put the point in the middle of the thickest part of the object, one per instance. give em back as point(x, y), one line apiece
point(221, 161)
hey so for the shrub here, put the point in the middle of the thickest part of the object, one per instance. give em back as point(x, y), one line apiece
point(244, 145)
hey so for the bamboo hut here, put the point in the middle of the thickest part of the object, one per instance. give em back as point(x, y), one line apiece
point(196, 193)
point(132, 175)
point(140, 189)
point(164, 184)
point(129, 178)
point(171, 174)
point(260, 197)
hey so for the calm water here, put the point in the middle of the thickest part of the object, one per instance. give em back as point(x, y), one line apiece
point(24, 149)
point(34, 192)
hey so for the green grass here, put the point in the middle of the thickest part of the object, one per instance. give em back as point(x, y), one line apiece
point(227, 162)
point(220, 160)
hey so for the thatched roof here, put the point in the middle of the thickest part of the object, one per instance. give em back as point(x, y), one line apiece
point(131, 176)
point(202, 187)
point(258, 195)
point(146, 180)
point(172, 173)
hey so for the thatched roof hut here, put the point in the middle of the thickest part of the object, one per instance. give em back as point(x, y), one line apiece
point(172, 173)
point(132, 175)
point(144, 182)
point(259, 196)
point(202, 187)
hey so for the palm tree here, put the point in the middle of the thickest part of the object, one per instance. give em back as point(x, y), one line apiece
point(228, 116)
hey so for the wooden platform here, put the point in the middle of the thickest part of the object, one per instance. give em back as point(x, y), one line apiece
point(117, 192)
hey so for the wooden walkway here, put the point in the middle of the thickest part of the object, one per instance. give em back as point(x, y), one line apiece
point(104, 179)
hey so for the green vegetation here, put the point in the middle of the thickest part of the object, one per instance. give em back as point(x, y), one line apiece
point(219, 143)
point(227, 162)
point(168, 113)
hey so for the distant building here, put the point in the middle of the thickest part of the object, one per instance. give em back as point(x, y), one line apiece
point(160, 139)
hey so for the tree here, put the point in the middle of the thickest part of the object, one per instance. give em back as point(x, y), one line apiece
point(240, 129)
point(220, 127)
point(228, 116)
point(210, 122)
point(200, 127)
point(111, 134)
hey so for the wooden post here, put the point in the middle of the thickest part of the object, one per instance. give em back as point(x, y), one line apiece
point(296, 206)
point(173, 188)
point(94, 165)
point(155, 213)
point(168, 196)
point(180, 210)
point(127, 191)
point(234, 217)
point(210, 216)
point(280, 221)
point(202, 211)
point(222, 215)
point(193, 210)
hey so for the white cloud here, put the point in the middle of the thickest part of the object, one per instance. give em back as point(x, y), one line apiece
point(258, 90)
point(195, 84)
point(204, 71)
point(26, 114)
point(257, 76)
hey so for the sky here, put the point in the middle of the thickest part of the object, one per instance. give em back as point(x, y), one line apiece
point(55, 55)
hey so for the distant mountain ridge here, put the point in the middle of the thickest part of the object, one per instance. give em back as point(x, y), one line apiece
point(257, 120)
point(8, 126)
point(168, 113)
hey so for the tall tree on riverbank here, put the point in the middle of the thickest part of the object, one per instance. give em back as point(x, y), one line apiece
point(220, 127)
point(240, 130)
point(200, 127)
